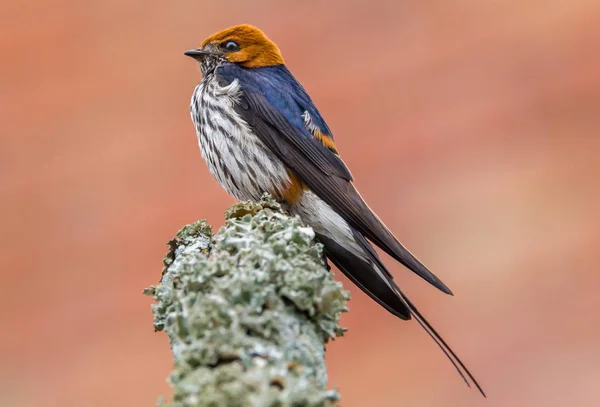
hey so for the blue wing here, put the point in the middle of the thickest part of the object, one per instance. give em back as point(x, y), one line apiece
point(273, 103)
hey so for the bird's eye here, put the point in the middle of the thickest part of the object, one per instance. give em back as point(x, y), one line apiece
point(230, 46)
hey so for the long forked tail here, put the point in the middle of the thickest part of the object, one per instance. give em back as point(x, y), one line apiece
point(458, 364)
point(369, 273)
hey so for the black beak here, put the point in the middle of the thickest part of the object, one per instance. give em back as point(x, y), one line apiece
point(197, 54)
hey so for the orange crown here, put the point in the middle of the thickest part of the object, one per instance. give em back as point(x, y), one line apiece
point(255, 48)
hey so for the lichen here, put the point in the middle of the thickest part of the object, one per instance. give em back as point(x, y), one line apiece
point(248, 311)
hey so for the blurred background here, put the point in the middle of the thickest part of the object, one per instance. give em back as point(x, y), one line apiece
point(472, 128)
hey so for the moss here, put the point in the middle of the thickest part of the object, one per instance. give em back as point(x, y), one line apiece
point(248, 311)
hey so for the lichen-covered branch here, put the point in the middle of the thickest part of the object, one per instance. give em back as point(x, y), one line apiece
point(248, 311)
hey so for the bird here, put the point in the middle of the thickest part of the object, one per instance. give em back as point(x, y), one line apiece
point(259, 131)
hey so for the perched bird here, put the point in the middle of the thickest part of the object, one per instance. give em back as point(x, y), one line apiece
point(259, 131)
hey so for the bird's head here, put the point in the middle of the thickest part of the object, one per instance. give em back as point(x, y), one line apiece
point(244, 45)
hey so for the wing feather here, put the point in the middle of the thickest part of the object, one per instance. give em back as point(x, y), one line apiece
point(273, 104)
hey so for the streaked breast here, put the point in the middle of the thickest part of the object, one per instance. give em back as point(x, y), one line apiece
point(235, 156)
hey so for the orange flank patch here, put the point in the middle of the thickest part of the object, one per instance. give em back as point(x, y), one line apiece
point(295, 189)
point(255, 48)
point(326, 140)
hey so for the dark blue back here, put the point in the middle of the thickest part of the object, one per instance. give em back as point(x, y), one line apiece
point(281, 89)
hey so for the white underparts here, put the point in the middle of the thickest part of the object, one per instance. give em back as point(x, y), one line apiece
point(325, 221)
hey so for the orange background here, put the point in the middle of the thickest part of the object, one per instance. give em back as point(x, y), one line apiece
point(472, 127)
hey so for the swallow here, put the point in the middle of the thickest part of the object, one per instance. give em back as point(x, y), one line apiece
point(259, 131)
